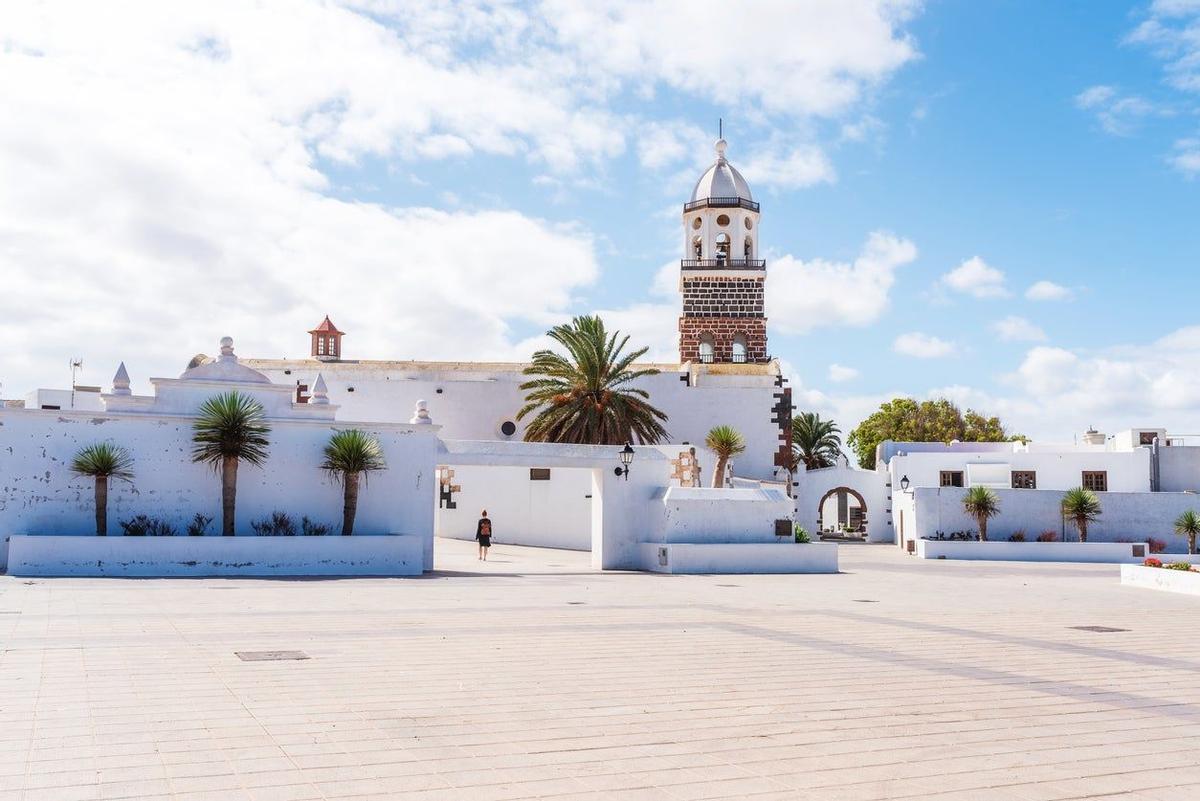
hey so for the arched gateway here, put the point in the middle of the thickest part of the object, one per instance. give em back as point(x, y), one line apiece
point(842, 509)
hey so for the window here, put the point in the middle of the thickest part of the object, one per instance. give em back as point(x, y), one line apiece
point(951, 478)
point(508, 428)
point(739, 349)
point(1024, 479)
point(723, 220)
point(748, 248)
point(697, 248)
point(539, 474)
point(320, 346)
point(332, 346)
point(749, 224)
point(706, 348)
point(1147, 437)
point(696, 224)
point(1095, 480)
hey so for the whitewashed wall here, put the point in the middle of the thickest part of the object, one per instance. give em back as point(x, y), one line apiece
point(1134, 516)
point(1128, 471)
point(551, 514)
point(473, 401)
point(1179, 469)
point(703, 515)
point(812, 485)
point(38, 494)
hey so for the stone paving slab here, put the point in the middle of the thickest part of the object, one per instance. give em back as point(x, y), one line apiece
point(531, 676)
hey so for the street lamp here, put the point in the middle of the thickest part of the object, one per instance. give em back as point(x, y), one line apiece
point(904, 482)
point(626, 459)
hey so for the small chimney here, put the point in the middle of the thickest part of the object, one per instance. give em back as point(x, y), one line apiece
point(1093, 437)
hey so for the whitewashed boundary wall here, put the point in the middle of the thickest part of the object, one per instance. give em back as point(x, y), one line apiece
point(813, 485)
point(39, 495)
point(1134, 516)
point(543, 507)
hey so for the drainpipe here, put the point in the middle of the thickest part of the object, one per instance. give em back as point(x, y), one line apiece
point(1155, 475)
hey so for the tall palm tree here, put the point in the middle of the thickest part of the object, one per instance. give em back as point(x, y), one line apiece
point(982, 504)
point(349, 456)
point(1188, 523)
point(1082, 507)
point(726, 443)
point(816, 443)
point(230, 429)
point(101, 462)
point(585, 397)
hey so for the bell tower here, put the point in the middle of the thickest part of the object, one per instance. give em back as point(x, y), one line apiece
point(721, 275)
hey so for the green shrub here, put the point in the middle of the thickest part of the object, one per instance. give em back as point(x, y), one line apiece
point(199, 525)
point(310, 529)
point(801, 534)
point(1017, 536)
point(1178, 566)
point(279, 524)
point(145, 526)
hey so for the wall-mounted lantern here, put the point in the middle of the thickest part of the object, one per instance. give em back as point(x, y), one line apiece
point(626, 460)
point(904, 482)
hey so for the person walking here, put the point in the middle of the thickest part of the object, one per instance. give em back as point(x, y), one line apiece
point(483, 534)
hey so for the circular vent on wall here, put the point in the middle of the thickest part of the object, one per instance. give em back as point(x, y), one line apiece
point(508, 428)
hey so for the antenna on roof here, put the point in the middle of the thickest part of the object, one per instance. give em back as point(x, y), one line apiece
point(720, 128)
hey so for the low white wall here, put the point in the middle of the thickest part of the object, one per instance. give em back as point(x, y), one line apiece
point(554, 513)
point(1159, 578)
point(39, 495)
point(336, 555)
point(707, 515)
point(750, 557)
point(1132, 516)
point(1033, 551)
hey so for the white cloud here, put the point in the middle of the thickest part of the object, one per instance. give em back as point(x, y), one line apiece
point(809, 294)
point(977, 278)
point(797, 167)
point(1048, 290)
point(839, 373)
point(1018, 329)
point(1186, 157)
point(1172, 32)
point(1117, 113)
point(923, 346)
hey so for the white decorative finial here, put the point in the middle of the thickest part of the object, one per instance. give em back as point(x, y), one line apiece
point(421, 414)
point(121, 381)
point(720, 145)
point(227, 350)
point(320, 392)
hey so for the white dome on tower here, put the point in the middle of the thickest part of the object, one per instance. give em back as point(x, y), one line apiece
point(721, 180)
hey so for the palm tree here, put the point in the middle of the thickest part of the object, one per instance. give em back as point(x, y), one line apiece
point(350, 455)
point(231, 429)
point(816, 443)
point(726, 443)
point(585, 397)
point(1188, 523)
point(982, 504)
point(1082, 507)
point(101, 462)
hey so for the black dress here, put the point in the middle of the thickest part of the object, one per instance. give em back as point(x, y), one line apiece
point(484, 539)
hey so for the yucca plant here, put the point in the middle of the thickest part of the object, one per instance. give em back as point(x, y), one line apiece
point(982, 504)
point(1188, 524)
point(349, 456)
point(1081, 507)
point(585, 397)
point(726, 443)
point(230, 429)
point(101, 462)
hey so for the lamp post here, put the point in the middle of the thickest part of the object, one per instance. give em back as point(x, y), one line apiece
point(626, 460)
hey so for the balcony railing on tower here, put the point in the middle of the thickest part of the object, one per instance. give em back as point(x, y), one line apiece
point(724, 264)
point(721, 203)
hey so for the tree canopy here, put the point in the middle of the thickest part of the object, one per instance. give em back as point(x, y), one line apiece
point(908, 420)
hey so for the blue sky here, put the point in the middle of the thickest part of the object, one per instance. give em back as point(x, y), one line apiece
point(448, 180)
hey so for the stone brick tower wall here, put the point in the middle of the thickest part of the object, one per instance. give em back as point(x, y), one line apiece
point(722, 308)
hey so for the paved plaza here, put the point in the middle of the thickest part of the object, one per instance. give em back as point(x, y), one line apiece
point(532, 676)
